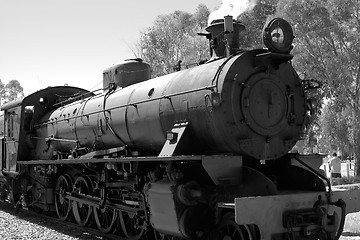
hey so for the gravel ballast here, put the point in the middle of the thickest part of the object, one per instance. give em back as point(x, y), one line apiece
point(21, 224)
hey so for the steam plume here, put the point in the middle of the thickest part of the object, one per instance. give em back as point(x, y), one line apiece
point(233, 8)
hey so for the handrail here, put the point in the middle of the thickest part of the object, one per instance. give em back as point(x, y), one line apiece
point(131, 104)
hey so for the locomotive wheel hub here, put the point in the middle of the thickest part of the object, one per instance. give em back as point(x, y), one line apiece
point(264, 104)
point(61, 196)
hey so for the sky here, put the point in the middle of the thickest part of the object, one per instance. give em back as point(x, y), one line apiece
point(55, 42)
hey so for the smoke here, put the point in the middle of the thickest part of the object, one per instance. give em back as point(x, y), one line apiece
point(233, 8)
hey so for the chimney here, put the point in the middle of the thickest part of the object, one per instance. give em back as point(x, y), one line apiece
point(225, 36)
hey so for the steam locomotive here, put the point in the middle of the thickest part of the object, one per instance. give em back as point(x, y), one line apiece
point(201, 153)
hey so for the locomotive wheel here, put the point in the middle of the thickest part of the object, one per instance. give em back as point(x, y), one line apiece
point(105, 218)
point(62, 204)
point(82, 211)
point(14, 194)
point(132, 226)
point(15, 199)
point(230, 230)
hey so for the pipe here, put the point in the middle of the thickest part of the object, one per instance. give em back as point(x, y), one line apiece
point(228, 34)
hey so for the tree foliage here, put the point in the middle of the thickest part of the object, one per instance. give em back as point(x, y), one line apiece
point(328, 48)
point(324, 39)
point(13, 90)
point(254, 22)
point(173, 38)
point(336, 128)
point(10, 91)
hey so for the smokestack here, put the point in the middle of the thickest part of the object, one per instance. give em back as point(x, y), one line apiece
point(228, 34)
point(225, 36)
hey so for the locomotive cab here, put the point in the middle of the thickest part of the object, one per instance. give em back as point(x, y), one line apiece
point(10, 140)
point(19, 119)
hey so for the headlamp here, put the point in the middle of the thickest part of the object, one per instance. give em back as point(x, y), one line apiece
point(278, 36)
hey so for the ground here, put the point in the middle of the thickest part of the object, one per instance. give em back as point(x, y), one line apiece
point(352, 227)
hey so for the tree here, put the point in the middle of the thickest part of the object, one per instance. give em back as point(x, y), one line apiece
point(327, 47)
point(254, 22)
point(13, 90)
point(10, 91)
point(201, 16)
point(2, 92)
point(173, 38)
point(336, 128)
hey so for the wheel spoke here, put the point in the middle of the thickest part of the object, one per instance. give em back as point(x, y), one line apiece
point(105, 219)
point(132, 225)
point(82, 211)
point(62, 204)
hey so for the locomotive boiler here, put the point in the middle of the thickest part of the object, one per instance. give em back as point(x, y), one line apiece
point(189, 155)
